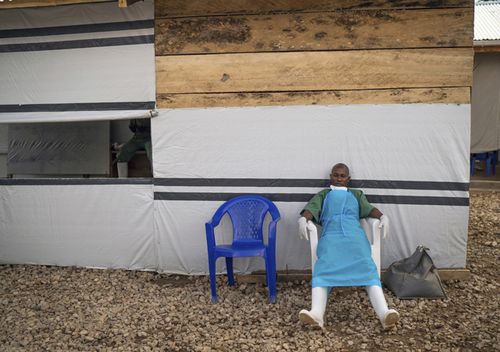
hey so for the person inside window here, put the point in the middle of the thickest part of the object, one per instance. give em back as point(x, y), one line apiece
point(140, 140)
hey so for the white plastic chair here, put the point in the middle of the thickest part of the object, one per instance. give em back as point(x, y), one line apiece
point(372, 231)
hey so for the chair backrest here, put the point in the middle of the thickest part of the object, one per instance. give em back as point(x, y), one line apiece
point(247, 215)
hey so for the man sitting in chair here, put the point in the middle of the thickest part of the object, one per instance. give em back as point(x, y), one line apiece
point(344, 252)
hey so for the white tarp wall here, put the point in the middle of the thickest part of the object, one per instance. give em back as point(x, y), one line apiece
point(485, 120)
point(90, 223)
point(77, 62)
point(411, 161)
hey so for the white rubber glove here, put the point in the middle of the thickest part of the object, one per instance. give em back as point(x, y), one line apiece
point(310, 226)
point(303, 233)
point(384, 225)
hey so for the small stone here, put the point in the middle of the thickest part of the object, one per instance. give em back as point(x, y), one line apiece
point(268, 332)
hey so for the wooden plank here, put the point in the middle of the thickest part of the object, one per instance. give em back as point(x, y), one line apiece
point(487, 48)
point(319, 70)
point(454, 274)
point(315, 31)
point(42, 3)
point(183, 8)
point(460, 95)
point(484, 185)
point(305, 275)
point(126, 3)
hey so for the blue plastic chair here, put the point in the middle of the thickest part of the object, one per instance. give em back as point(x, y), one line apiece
point(247, 215)
point(490, 159)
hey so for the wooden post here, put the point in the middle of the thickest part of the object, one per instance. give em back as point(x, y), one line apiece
point(126, 3)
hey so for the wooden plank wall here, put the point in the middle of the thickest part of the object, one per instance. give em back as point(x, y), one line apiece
point(300, 52)
point(12, 4)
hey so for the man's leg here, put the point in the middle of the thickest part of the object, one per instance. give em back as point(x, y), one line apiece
point(126, 153)
point(149, 152)
point(318, 307)
point(388, 317)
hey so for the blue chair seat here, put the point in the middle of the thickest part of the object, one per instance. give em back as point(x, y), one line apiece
point(247, 214)
point(240, 251)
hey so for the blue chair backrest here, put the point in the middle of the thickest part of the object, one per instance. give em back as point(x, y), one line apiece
point(247, 215)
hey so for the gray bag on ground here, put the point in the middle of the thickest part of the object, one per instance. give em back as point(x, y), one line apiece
point(414, 277)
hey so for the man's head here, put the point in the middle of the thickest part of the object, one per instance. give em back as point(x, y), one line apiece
point(340, 175)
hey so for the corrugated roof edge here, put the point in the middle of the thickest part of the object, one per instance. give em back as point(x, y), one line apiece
point(487, 22)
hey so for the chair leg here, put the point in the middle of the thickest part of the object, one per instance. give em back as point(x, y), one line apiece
point(268, 270)
point(488, 162)
point(494, 162)
point(229, 268)
point(213, 282)
point(271, 278)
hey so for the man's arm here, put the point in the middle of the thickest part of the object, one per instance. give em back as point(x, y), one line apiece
point(375, 213)
point(384, 221)
point(307, 214)
point(368, 210)
point(312, 210)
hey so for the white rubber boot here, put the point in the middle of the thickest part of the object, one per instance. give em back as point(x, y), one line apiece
point(122, 169)
point(388, 317)
point(315, 315)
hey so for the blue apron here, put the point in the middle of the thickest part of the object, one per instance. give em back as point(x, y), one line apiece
point(344, 252)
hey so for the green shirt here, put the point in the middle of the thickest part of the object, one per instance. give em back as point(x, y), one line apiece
point(315, 205)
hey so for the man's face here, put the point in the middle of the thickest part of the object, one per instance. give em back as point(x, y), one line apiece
point(339, 177)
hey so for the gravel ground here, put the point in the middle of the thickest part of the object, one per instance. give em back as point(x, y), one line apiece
point(73, 309)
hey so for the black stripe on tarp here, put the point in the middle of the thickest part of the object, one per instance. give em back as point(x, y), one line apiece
point(305, 197)
point(240, 182)
point(106, 106)
point(77, 44)
point(316, 183)
point(418, 200)
point(73, 181)
point(423, 185)
point(75, 29)
point(200, 196)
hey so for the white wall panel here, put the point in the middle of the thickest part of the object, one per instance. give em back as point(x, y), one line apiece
point(423, 145)
point(385, 142)
point(103, 226)
point(77, 62)
point(104, 74)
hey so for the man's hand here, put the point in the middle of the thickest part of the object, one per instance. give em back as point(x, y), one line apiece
point(384, 225)
point(303, 233)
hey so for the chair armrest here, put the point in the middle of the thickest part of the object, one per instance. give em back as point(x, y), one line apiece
point(271, 238)
point(211, 225)
point(209, 230)
point(371, 221)
point(371, 227)
point(313, 240)
point(372, 230)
